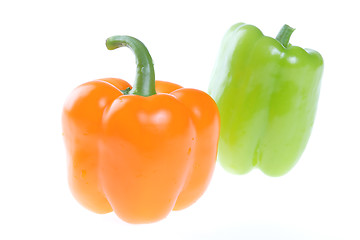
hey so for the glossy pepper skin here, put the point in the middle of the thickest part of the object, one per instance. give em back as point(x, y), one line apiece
point(267, 93)
point(141, 152)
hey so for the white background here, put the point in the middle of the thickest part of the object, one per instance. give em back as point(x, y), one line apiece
point(47, 48)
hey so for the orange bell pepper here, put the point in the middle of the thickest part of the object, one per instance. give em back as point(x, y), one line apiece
point(135, 151)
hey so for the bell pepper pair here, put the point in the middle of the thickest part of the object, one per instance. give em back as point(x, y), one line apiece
point(145, 150)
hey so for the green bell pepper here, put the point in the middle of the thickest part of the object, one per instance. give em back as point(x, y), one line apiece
point(267, 92)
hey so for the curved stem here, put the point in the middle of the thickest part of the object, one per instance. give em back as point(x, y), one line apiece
point(145, 76)
point(284, 35)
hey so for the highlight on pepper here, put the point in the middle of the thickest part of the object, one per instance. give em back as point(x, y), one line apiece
point(267, 92)
point(142, 150)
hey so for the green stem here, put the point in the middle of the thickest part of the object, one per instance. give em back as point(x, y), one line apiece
point(145, 76)
point(284, 35)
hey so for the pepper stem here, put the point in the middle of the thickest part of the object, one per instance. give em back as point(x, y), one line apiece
point(284, 35)
point(145, 76)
